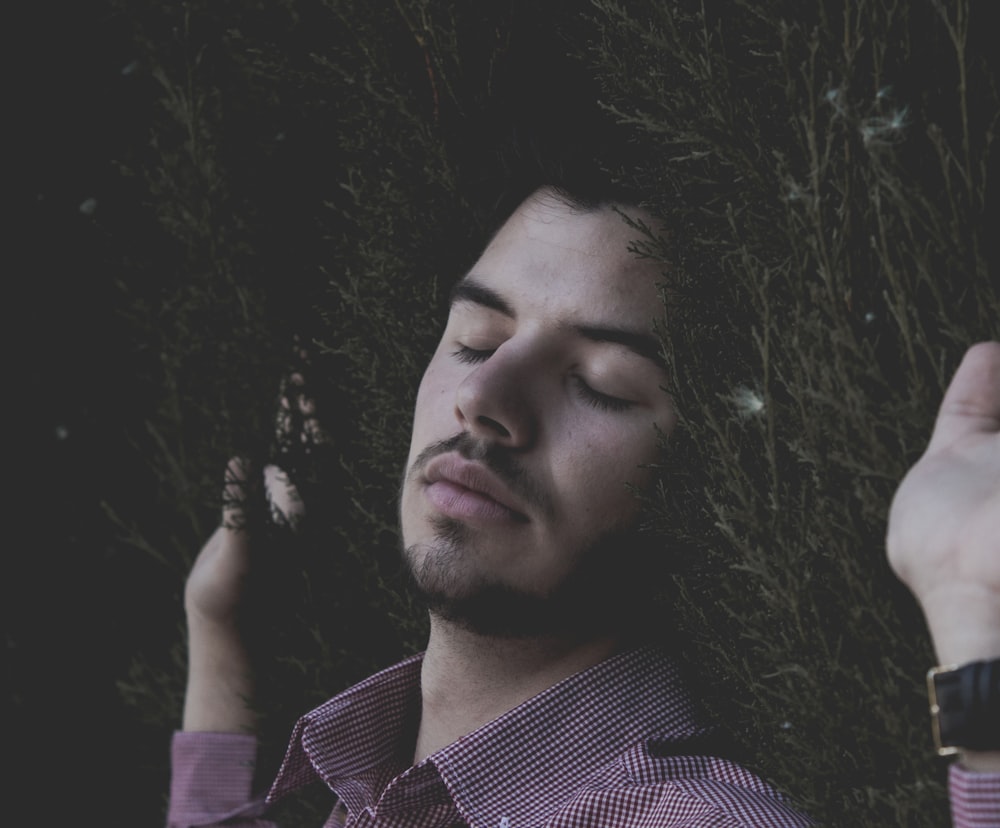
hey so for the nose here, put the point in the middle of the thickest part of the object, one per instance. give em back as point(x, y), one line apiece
point(494, 400)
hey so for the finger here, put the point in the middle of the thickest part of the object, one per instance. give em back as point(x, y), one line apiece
point(283, 498)
point(971, 404)
point(234, 493)
point(313, 433)
point(292, 391)
point(297, 412)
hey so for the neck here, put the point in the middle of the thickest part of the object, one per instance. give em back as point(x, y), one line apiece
point(468, 680)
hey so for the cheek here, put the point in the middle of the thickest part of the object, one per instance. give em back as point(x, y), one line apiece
point(601, 464)
point(434, 396)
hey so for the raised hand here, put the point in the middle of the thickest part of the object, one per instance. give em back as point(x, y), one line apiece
point(944, 525)
point(219, 690)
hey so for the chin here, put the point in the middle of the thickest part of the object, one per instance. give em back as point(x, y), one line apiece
point(592, 599)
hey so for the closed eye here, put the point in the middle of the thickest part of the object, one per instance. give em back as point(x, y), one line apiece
point(472, 355)
point(591, 396)
point(600, 401)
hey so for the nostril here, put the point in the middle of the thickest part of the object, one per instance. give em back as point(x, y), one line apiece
point(495, 425)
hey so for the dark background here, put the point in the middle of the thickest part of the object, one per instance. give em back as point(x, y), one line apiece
point(76, 608)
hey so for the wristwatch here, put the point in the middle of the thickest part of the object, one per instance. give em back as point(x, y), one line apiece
point(965, 706)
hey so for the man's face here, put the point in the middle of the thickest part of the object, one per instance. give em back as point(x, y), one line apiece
point(541, 403)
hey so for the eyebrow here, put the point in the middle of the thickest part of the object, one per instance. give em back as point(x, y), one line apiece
point(643, 344)
point(469, 290)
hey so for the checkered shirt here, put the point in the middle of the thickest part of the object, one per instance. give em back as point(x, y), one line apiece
point(614, 746)
point(605, 747)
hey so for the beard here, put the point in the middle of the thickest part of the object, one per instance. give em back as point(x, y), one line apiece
point(606, 589)
point(599, 595)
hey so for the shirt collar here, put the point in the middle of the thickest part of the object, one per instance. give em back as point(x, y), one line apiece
point(520, 767)
point(349, 741)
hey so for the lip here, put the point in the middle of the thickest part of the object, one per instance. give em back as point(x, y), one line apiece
point(468, 491)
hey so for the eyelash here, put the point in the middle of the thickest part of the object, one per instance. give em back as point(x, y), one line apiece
point(602, 402)
point(471, 356)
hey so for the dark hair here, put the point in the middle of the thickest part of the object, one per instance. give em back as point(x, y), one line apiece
point(544, 125)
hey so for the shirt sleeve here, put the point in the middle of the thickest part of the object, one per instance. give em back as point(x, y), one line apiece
point(975, 798)
point(210, 781)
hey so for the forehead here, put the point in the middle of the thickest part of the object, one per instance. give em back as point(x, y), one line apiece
point(554, 259)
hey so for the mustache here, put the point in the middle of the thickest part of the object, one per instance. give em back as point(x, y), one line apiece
point(497, 459)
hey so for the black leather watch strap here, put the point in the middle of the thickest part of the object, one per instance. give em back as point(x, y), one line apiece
point(965, 706)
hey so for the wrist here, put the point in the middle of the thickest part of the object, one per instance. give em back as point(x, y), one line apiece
point(980, 762)
point(216, 650)
point(964, 622)
point(219, 697)
point(219, 690)
point(966, 648)
point(964, 625)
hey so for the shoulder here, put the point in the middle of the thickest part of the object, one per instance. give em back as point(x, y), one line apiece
point(652, 790)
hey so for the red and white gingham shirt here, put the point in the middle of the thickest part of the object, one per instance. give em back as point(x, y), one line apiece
point(610, 747)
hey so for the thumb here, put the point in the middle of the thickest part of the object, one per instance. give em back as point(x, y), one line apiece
point(971, 404)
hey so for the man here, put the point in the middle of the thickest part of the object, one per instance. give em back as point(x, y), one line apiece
point(536, 419)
